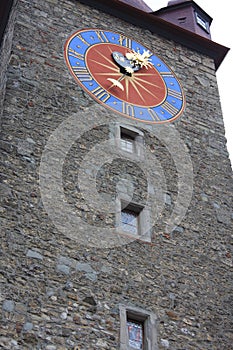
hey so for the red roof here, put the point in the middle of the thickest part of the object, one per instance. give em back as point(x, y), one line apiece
point(139, 4)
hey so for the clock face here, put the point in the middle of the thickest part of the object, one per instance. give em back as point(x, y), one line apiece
point(124, 76)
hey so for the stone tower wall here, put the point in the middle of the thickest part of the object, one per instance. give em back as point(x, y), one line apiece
point(62, 292)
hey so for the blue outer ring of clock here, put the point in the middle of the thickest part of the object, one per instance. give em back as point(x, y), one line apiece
point(75, 51)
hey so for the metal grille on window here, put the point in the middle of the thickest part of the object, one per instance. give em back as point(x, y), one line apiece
point(135, 334)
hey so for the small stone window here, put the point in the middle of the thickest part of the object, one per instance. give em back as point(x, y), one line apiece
point(138, 329)
point(133, 220)
point(128, 139)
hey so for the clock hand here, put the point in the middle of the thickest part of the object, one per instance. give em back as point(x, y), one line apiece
point(132, 61)
point(129, 63)
point(116, 82)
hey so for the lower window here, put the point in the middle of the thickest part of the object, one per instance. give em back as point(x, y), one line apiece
point(138, 329)
point(135, 334)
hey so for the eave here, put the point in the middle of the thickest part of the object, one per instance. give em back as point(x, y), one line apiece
point(161, 27)
point(145, 20)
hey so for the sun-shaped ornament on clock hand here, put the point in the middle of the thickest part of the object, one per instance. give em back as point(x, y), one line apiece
point(130, 63)
point(123, 75)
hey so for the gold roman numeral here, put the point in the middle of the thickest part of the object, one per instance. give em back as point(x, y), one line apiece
point(101, 35)
point(124, 41)
point(82, 39)
point(101, 94)
point(82, 73)
point(167, 74)
point(128, 109)
point(169, 108)
point(76, 54)
point(174, 93)
point(153, 114)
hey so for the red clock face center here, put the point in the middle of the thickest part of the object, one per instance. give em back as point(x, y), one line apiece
point(143, 88)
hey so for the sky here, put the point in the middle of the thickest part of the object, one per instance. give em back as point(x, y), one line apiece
point(221, 32)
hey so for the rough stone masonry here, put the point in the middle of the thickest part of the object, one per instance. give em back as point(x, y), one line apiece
point(58, 293)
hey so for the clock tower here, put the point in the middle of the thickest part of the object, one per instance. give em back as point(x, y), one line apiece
point(116, 185)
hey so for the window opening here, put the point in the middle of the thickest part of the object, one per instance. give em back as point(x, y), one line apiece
point(129, 221)
point(127, 140)
point(135, 334)
point(130, 218)
point(138, 329)
point(203, 23)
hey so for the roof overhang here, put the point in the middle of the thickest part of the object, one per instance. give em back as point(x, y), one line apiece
point(161, 27)
point(145, 20)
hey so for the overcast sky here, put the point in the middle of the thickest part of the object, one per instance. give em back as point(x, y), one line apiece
point(221, 32)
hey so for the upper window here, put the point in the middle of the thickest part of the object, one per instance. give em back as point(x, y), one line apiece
point(129, 139)
point(202, 22)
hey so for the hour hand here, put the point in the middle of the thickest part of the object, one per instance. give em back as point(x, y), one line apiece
point(116, 83)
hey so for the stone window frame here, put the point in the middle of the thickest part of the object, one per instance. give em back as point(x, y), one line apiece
point(134, 133)
point(144, 229)
point(140, 315)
